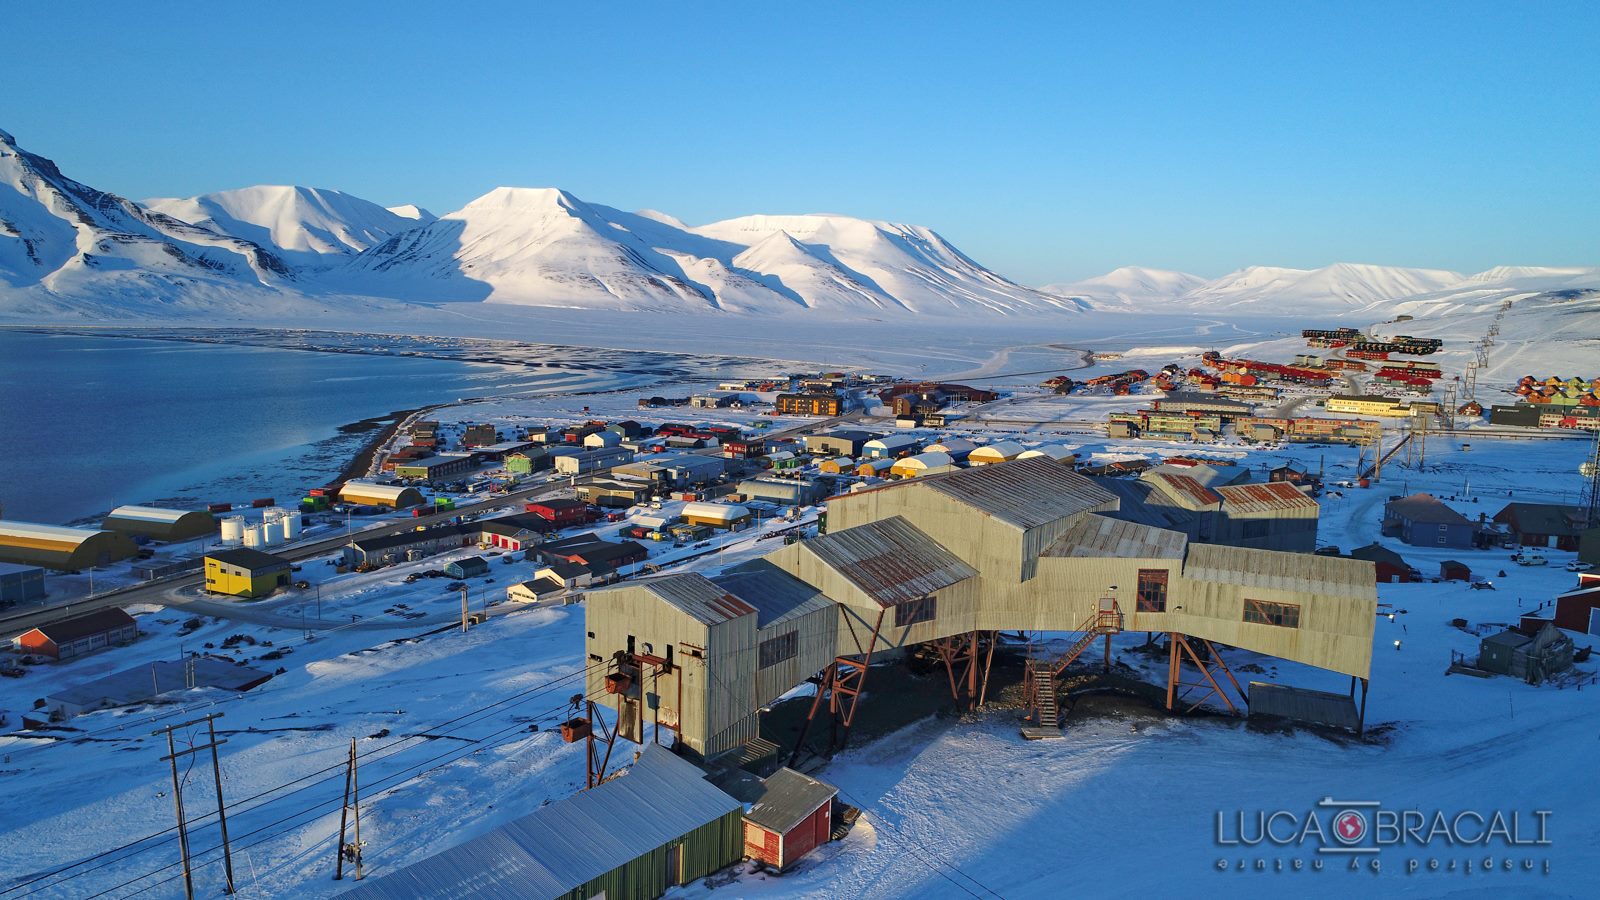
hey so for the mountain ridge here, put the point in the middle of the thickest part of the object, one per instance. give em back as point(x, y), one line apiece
point(84, 251)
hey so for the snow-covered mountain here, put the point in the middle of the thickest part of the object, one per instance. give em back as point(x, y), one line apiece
point(1331, 288)
point(1132, 287)
point(305, 226)
point(546, 247)
point(413, 212)
point(65, 237)
point(69, 250)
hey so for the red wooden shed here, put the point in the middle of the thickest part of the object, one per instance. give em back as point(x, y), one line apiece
point(793, 817)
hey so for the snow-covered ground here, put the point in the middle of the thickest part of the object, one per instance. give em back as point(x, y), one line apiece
point(1123, 804)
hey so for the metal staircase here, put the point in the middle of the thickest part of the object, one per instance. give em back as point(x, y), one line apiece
point(1039, 679)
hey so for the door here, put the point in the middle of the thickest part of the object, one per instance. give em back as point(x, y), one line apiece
point(675, 865)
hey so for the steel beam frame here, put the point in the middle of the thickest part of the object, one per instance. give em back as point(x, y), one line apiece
point(1178, 647)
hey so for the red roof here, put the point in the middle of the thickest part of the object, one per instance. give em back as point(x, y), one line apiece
point(1274, 495)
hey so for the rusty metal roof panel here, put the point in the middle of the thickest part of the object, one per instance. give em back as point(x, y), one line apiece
point(695, 595)
point(1026, 493)
point(1273, 496)
point(1103, 536)
point(1184, 490)
point(890, 560)
point(1303, 572)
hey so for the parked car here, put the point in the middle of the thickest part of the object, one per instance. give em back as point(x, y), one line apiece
point(1579, 566)
point(1531, 559)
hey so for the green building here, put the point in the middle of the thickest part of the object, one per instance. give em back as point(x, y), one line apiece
point(632, 838)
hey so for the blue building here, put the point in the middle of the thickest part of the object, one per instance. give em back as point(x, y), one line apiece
point(1422, 521)
point(20, 584)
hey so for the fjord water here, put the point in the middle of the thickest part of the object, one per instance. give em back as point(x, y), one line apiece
point(90, 423)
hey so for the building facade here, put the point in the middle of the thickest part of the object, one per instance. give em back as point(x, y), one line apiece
point(243, 572)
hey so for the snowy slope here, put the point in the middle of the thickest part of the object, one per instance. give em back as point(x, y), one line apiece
point(546, 247)
point(68, 238)
point(912, 265)
point(527, 246)
point(413, 212)
point(306, 226)
point(1333, 288)
point(1131, 287)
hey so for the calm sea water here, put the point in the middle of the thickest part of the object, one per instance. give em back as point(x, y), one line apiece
point(90, 423)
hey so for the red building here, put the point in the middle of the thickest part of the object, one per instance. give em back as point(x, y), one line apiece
point(1389, 567)
point(793, 817)
point(79, 635)
point(560, 512)
point(1451, 570)
point(1575, 609)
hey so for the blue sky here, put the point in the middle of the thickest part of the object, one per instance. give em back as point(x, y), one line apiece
point(1049, 141)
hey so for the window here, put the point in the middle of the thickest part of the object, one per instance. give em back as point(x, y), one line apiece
point(1266, 612)
point(1255, 529)
point(775, 650)
point(921, 610)
point(1152, 590)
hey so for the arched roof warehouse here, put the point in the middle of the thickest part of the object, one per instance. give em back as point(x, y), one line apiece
point(61, 548)
point(160, 524)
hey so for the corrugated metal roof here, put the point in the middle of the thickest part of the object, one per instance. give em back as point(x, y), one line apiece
point(932, 459)
point(571, 842)
point(1026, 493)
point(1133, 498)
point(788, 798)
point(1272, 496)
point(1001, 450)
point(1103, 535)
point(1302, 572)
point(693, 594)
point(722, 512)
point(373, 490)
point(1051, 451)
point(60, 533)
point(1183, 490)
point(148, 514)
point(774, 593)
point(890, 560)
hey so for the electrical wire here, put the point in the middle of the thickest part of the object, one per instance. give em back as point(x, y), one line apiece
point(237, 806)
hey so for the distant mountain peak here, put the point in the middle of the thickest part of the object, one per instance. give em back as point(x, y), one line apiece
point(413, 212)
point(306, 225)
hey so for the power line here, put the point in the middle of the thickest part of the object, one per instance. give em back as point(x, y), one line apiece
point(381, 785)
point(514, 699)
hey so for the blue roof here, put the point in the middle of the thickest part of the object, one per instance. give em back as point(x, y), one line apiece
point(566, 844)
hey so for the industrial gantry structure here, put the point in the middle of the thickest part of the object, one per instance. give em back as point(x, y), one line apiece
point(945, 564)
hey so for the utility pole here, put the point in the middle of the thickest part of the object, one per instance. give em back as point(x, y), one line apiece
point(177, 798)
point(222, 816)
point(183, 826)
point(351, 798)
point(464, 590)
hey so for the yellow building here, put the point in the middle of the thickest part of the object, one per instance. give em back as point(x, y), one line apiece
point(242, 572)
point(1368, 405)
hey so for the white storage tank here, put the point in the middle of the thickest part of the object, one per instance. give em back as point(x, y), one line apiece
point(291, 525)
point(272, 532)
point(253, 537)
point(232, 531)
